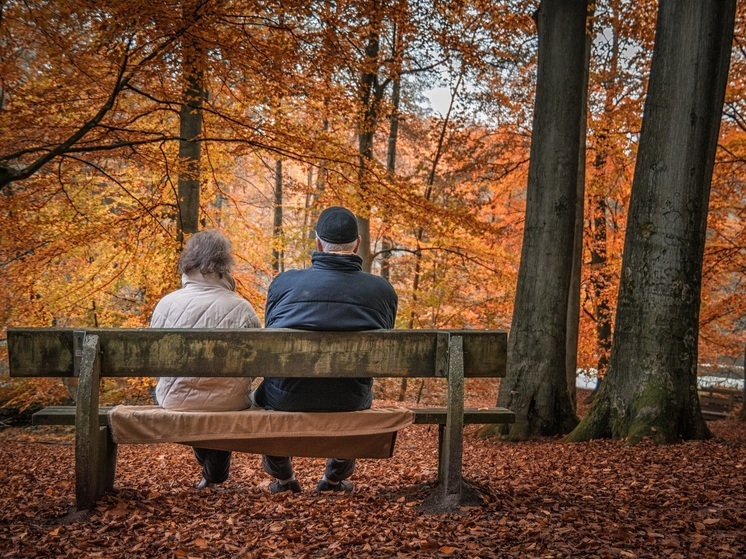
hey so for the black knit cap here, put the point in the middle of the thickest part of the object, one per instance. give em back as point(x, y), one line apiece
point(337, 225)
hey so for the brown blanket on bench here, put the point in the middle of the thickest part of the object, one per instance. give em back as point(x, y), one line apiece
point(360, 434)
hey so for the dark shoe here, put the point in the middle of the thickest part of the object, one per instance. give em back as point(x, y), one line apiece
point(345, 486)
point(277, 487)
point(204, 484)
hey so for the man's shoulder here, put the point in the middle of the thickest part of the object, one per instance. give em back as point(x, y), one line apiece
point(287, 276)
point(292, 272)
point(378, 281)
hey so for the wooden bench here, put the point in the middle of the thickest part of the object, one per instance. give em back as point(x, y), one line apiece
point(96, 353)
point(717, 402)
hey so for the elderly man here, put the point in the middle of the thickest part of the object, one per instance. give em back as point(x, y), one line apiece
point(333, 294)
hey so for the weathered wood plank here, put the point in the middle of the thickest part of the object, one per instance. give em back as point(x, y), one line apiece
point(256, 352)
point(273, 353)
point(472, 416)
point(40, 352)
point(485, 352)
point(65, 415)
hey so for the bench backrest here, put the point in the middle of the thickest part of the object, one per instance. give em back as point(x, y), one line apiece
point(52, 352)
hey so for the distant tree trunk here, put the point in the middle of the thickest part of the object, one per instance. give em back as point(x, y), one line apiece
point(420, 232)
point(650, 389)
point(743, 401)
point(316, 191)
point(535, 387)
point(316, 194)
point(364, 252)
point(573, 313)
point(370, 96)
point(190, 130)
point(599, 280)
point(599, 270)
point(573, 302)
point(387, 244)
point(277, 237)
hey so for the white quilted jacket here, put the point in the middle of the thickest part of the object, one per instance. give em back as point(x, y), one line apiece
point(204, 302)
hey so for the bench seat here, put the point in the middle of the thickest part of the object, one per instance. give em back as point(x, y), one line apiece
point(65, 415)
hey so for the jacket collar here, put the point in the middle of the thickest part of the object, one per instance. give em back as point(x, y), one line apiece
point(197, 279)
point(332, 261)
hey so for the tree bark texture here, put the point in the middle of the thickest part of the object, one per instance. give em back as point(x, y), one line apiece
point(650, 389)
point(535, 387)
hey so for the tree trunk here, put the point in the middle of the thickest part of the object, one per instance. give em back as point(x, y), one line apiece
point(190, 130)
point(387, 244)
point(599, 279)
point(312, 200)
point(420, 232)
point(573, 312)
point(650, 389)
point(599, 271)
point(370, 95)
point(573, 302)
point(535, 387)
point(277, 238)
point(743, 401)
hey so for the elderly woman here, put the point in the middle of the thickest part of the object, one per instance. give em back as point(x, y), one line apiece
point(207, 299)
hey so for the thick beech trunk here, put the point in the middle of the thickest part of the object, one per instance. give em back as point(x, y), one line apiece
point(573, 301)
point(650, 388)
point(536, 387)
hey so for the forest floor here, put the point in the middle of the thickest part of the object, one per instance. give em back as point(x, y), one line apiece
point(542, 499)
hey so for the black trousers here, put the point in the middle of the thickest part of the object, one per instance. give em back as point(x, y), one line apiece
point(301, 394)
point(215, 463)
point(281, 467)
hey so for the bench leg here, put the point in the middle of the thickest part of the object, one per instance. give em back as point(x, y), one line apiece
point(109, 458)
point(91, 449)
point(441, 436)
point(451, 448)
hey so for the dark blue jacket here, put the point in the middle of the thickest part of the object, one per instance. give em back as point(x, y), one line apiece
point(333, 294)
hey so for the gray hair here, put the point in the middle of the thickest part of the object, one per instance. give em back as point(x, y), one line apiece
point(207, 251)
point(334, 247)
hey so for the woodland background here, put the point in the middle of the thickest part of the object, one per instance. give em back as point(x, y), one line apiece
point(302, 105)
point(307, 104)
